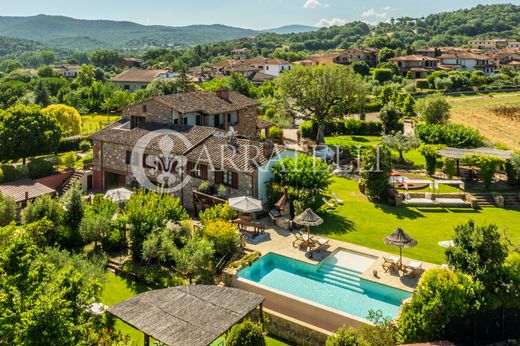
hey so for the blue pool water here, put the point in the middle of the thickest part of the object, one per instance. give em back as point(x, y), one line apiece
point(328, 284)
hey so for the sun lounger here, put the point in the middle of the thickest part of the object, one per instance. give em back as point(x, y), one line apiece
point(390, 263)
point(413, 268)
point(337, 199)
point(321, 243)
point(330, 205)
point(298, 240)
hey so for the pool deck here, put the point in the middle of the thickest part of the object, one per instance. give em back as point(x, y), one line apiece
point(280, 241)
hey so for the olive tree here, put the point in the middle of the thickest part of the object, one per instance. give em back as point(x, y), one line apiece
point(400, 142)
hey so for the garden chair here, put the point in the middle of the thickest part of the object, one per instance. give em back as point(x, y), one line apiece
point(330, 205)
point(413, 268)
point(298, 240)
point(321, 244)
point(388, 264)
point(337, 199)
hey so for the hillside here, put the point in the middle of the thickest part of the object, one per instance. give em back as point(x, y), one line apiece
point(291, 29)
point(65, 32)
point(10, 45)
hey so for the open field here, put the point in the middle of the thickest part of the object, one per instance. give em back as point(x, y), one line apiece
point(95, 122)
point(475, 112)
point(362, 222)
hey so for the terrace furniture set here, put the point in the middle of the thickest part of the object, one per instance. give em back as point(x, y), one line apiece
point(252, 228)
point(304, 240)
point(394, 263)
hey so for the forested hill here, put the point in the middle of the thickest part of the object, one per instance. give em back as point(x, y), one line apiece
point(65, 32)
point(10, 45)
point(443, 29)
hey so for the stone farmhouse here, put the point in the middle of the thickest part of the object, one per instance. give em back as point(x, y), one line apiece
point(420, 66)
point(347, 57)
point(216, 136)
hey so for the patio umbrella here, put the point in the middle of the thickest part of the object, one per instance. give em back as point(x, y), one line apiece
point(447, 244)
point(121, 195)
point(245, 204)
point(309, 219)
point(400, 239)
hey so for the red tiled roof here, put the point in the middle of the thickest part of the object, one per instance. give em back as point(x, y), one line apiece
point(206, 102)
point(137, 76)
point(259, 60)
point(414, 57)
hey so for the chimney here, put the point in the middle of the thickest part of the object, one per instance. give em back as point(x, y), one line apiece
point(268, 148)
point(223, 93)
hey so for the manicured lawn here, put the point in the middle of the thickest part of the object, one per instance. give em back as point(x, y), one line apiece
point(95, 122)
point(117, 289)
point(362, 222)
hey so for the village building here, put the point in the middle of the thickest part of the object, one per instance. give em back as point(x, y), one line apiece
point(419, 66)
point(67, 70)
point(273, 67)
point(467, 62)
point(219, 143)
point(513, 44)
point(488, 44)
point(347, 57)
point(240, 54)
point(133, 79)
point(130, 62)
point(504, 57)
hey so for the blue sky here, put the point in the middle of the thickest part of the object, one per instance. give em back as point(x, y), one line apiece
point(256, 14)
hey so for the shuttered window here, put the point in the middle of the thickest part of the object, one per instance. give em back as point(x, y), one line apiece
point(234, 180)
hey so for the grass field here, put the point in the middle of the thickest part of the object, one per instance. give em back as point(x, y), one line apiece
point(117, 289)
point(95, 122)
point(362, 222)
point(474, 111)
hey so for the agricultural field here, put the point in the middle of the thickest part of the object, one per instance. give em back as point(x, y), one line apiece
point(95, 122)
point(496, 116)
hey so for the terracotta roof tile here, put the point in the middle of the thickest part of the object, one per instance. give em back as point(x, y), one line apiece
point(17, 189)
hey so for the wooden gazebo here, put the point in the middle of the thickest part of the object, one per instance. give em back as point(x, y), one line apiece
point(187, 315)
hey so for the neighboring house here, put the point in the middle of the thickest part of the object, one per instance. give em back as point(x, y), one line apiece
point(515, 65)
point(514, 45)
point(130, 62)
point(240, 54)
point(224, 65)
point(254, 74)
point(24, 191)
point(467, 62)
point(273, 67)
point(133, 80)
point(67, 70)
point(419, 66)
point(347, 57)
point(488, 44)
point(504, 57)
point(211, 151)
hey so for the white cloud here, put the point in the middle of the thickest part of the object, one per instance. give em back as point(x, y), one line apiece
point(312, 4)
point(324, 22)
point(373, 13)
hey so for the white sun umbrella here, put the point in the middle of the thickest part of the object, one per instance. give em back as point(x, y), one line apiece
point(245, 204)
point(120, 195)
point(447, 244)
point(326, 153)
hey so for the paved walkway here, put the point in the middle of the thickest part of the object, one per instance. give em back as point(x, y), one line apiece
point(280, 241)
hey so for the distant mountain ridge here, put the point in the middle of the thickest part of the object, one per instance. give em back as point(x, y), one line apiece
point(66, 32)
point(291, 29)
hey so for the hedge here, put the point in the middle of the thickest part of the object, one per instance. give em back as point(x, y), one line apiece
point(70, 143)
point(350, 127)
point(422, 84)
point(452, 135)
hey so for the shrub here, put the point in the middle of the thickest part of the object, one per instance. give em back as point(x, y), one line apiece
point(222, 191)
point(94, 227)
point(353, 127)
point(375, 180)
point(39, 168)
point(452, 135)
point(7, 210)
point(390, 117)
point(346, 337)
point(204, 187)
point(422, 84)
point(115, 240)
point(245, 334)
point(85, 145)
point(219, 212)
point(440, 295)
point(12, 173)
point(449, 168)
point(70, 144)
point(224, 235)
point(276, 132)
point(41, 207)
point(433, 109)
point(430, 153)
point(308, 129)
point(513, 169)
point(69, 160)
point(383, 75)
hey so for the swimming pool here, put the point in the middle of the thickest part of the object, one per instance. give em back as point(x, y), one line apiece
point(334, 283)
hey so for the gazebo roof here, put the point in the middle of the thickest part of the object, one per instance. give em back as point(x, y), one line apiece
point(187, 315)
point(308, 218)
point(456, 153)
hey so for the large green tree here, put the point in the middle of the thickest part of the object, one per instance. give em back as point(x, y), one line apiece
point(323, 93)
point(27, 131)
point(375, 167)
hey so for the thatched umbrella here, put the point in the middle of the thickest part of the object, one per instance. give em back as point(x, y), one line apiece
point(400, 239)
point(308, 219)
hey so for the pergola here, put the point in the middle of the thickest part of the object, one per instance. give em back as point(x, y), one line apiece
point(459, 154)
point(187, 315)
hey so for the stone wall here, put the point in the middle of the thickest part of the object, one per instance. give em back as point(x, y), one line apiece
point(156, 111)
point(247, 122)
point(292, 330)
